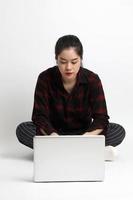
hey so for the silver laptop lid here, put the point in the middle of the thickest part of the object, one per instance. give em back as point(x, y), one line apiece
point(69, 158)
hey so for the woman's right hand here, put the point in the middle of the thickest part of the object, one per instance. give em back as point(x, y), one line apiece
point(54, 134)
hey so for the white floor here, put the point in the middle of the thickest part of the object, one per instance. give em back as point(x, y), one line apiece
point(16, 177)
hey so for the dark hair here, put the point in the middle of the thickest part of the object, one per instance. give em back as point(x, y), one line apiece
point(68, 41)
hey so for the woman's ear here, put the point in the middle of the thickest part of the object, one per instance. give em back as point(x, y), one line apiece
point(81, 64)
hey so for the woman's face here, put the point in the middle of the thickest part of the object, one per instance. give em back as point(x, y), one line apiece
point(69, 63)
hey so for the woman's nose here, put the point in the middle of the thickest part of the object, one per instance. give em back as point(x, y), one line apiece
point(68, 66)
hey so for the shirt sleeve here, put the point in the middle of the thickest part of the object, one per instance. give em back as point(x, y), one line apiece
point(99, 112)
point(40, 113)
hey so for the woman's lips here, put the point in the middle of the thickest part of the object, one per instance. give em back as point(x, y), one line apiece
point(68, 73)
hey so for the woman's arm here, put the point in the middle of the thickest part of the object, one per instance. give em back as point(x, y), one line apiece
point(41, 109)
point(98, 107)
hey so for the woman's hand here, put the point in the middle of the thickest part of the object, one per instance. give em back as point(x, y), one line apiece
point(95, 132)
point(54, 134)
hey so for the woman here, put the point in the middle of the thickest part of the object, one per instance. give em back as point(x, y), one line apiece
point(69, 99)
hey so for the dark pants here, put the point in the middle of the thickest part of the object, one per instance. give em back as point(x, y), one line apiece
point(27, 130)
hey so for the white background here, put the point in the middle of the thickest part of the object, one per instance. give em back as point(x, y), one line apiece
point(29, 30)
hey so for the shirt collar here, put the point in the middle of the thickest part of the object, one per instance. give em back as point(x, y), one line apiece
point(81, 76)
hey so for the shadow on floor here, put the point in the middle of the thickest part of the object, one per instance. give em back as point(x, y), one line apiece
point(28, 156)
point(16, 151)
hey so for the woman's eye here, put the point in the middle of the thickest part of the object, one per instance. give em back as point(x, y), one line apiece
point(63, 62)
point(74, 63)
point(66, 62)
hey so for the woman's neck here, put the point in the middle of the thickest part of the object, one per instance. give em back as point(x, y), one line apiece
point(69, 86)
point(71, 82)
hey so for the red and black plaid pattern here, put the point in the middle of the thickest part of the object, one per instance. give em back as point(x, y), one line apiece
point(56, 110)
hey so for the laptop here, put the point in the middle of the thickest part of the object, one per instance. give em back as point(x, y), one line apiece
point(69, 158)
